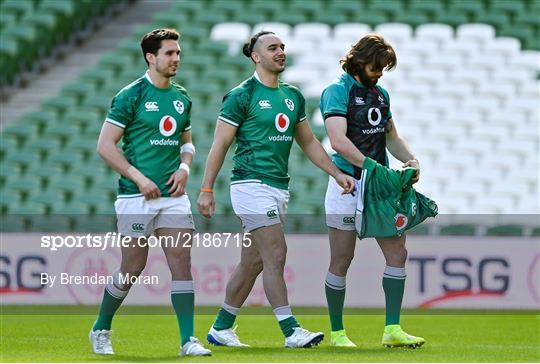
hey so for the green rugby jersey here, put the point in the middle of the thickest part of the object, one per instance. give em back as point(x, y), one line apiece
point(153, 120)
point(367, 111)
point(266, 118)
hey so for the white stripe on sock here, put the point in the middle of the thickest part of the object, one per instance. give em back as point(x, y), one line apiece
point(283, 312)
point(335, 282)
point(230, 309)
point(182, 287)
point(116, 288)
point(394, 272)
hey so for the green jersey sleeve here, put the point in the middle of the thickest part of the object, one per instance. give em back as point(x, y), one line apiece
point(188, 119)
point(301, 106)
point(334, 101)
point(122, 109)
point(235, 107)
point(387, 97)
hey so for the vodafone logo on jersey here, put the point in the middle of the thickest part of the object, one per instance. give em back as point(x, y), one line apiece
point(282, 122)
point(167, 125)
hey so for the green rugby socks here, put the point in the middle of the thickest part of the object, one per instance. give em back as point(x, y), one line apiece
point(334, 287)
point(183, 301)
point(112, 299)
point(225, 317)
point(393, 286)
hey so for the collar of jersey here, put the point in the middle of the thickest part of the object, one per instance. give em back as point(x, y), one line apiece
point(259, 81)
point(353, 79)
point(149, 80)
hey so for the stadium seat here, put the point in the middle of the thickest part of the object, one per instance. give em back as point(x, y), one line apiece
point(458, 230)
point(433, 31)
point(350, 32)
point(395, 32)
point(234, 34)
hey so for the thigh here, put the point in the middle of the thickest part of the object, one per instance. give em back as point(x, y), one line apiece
point(134, 216)
point(392, 246)
point(340, 209)
point(255, 205)
point(134, 255)
point(173, 213)
point(175, 242)
point(342, 243)
point(270, 242)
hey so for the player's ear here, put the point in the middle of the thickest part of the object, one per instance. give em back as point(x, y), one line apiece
point(151, 58)
point(255, 57)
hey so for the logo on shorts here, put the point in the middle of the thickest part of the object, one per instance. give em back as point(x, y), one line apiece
point(167, 125)
point(151, 106)
point(179, 106)
point(282, 122)
point(137, 227)
point(290, 104)
point(348, 220)
point(272, 214)
point(400, 221)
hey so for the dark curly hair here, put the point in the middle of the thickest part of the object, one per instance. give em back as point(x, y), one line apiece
point(371, 49)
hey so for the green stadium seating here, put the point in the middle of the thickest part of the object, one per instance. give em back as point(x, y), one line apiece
point(499, 20)
point(454, 18)
point(17, 8)
point(269, 9)
point(411, 18)
point(505, 230)
point(56, 145)
point(388, 8)
point(468, 8)
point(459, 230)
point(331, 18)
point(512, 8)
point(432, 8)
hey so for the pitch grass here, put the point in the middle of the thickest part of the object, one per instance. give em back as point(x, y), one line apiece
point(452, 336)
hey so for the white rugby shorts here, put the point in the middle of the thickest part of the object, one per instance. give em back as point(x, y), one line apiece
point(341, 209)
point(258, 204)
point(140, 217)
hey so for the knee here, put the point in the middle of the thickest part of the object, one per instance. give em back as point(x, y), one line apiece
point(134, 267)
point(339, 264)
point(279, 256)
point(398, 257)
point(252, 268)
point(180, 256)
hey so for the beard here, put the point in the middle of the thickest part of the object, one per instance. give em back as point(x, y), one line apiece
point(164, 71)
point(366, 81)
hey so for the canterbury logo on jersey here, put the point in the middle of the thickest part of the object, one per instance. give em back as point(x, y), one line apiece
point(265, 104)
point(271, 214)
point(151, 106)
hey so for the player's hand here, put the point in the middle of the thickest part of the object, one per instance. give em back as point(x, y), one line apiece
point(178, 181)
point(206, 204)
point(149, 189)
point(346, 182)
point(416, 165)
